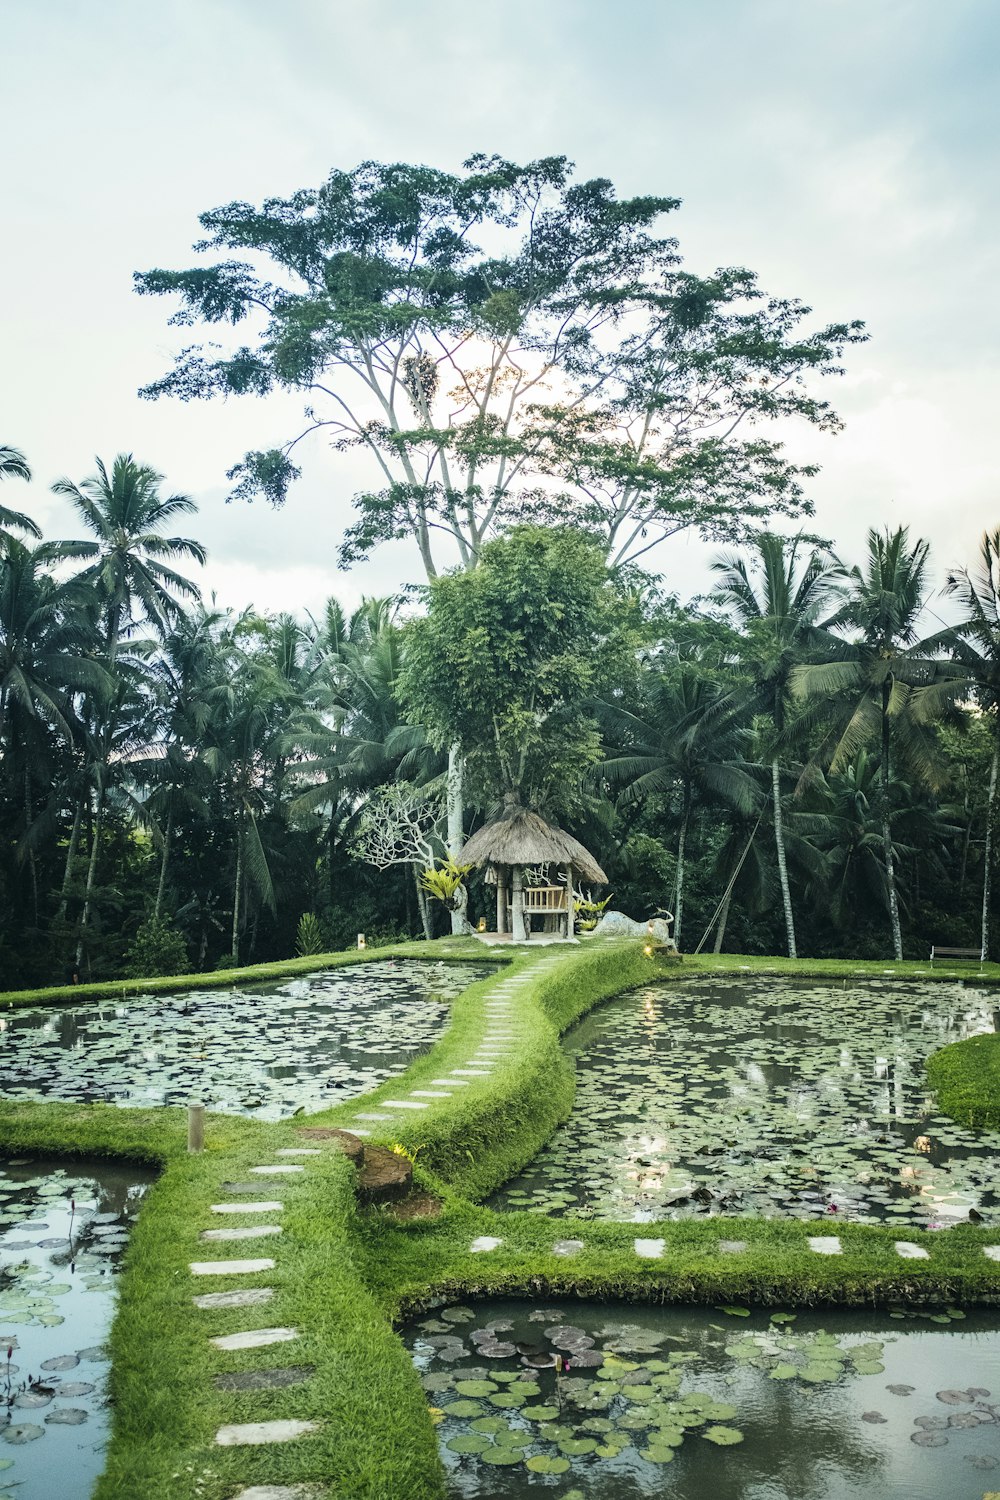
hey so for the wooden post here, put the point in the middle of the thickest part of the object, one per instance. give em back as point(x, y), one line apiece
point(501, 898)
point(519, 931)
point(570, 914)
point(196, 1127)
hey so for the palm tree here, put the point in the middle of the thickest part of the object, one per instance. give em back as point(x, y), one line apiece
point(127, 569)
point(781, 604)
point(128, 560)
point(878, 673)
point(45, 661)
point(683, 737)
point(976, 648)
point(14, 465)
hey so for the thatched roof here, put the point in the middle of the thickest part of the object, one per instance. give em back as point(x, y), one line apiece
point(520, 837)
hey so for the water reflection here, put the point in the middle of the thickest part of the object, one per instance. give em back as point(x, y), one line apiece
point(766, 1097)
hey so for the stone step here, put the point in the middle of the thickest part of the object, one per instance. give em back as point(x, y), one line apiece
point(249, 1232)
point(269, 1206)
point(992, 1252)
point(452, 1082)
point(284, 1168)
point(485, 1242)
point(230, 1267)
point(298, 1151)
point(252, 1297)
point(431, 1094)
point(404, 1104)
point(909, 1251)
point(255, 1338)
point(280, 1492)
point(250, 1187)
point(567, 1247)
point(824, 1244)
point(649, 1249)
point(247, 1434)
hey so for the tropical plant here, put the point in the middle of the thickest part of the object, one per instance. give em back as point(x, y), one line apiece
point(783, 602)
point(14, 465)
point(876, 675)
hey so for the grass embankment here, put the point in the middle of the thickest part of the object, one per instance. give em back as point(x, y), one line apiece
point(966, 1077)
point(341, 1279)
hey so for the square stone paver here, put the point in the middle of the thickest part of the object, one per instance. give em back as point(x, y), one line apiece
point(285, 1168)
point(452, 1083)
point(732, 1247)
point(992, 1252)
point(824, 1244)
point(230, 1267)
point(246, 1434)
point(299, 1151)
point(909, 1251)
point(269, 1206)
point(567, 1247)
point(250, 1232)
point(405, 1104)
point(649, 1249)
point(255, 1338)
point(253, 1296)
point(486, 1242)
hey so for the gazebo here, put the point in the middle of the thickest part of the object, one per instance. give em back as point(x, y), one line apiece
point(519, 841)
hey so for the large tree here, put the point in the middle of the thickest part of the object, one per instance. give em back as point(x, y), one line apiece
point(508, 659)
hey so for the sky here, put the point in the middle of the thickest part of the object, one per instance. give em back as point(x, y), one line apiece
point(845, 151)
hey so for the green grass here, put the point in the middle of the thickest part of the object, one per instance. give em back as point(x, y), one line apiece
point(343, 1279)
point(966, 1077)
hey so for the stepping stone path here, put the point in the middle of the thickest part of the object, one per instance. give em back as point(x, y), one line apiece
point(262, 1434)
point(497, 1044)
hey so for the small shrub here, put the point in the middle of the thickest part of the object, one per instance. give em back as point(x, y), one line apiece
point(158, 948)
point(309, 937)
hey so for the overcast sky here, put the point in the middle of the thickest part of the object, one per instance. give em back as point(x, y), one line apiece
point(845, 150)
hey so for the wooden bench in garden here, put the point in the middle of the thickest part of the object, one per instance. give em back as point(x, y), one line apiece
point(972, 955)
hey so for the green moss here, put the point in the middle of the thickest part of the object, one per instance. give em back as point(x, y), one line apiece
point(966, 1077)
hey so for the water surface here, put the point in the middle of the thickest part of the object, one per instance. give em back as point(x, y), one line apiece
point(711, 1404)
point(767, 1096)
point(63, 1230)
point(266, 1051)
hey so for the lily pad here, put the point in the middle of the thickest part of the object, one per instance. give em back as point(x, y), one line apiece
point(723, 1437)
point(542, 1463)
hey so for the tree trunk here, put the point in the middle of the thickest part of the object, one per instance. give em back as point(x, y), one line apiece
point(74, 844)
point(235, 949)
point(456, 832)
point(988, 852)
point(720, 930)
point(890, 865)
point(27, 829)
point(163, 865)
point(779, 844)
point(423, 904)
point(519, 930)
point(681, 842)
point(91, 872)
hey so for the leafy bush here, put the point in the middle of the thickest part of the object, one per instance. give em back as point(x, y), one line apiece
point(158, 948)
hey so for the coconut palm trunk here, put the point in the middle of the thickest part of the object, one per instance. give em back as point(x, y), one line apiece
point(779, 846)
point(988, 851)
point(91, 872)
point(890, 865)
point(681, 843)
point(71, 852)
point(164, 859)
point(237, 893)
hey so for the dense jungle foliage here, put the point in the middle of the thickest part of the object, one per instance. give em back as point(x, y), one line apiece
point(182, 786)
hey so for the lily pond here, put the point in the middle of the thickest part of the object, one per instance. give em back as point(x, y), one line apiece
point(723, 1403)
point(767, 1097)
point(266, 1051)
point(63, 1229)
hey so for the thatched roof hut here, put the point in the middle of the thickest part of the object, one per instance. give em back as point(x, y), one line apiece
point(519, 839)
